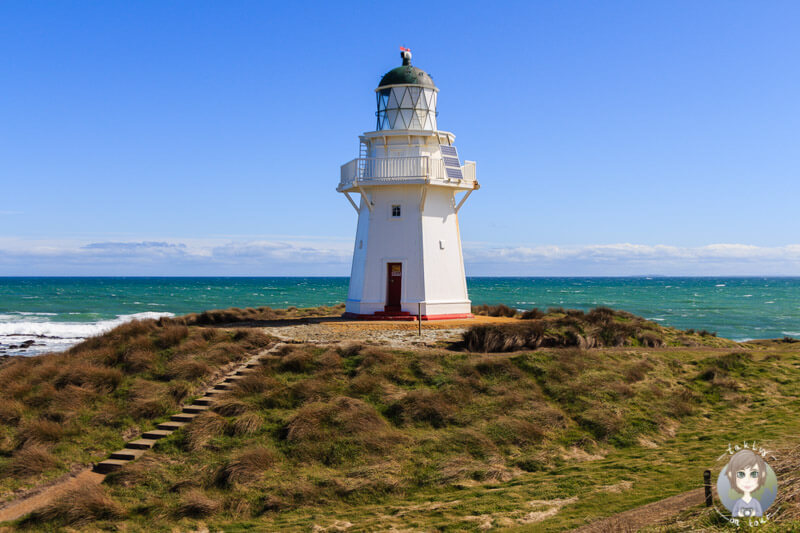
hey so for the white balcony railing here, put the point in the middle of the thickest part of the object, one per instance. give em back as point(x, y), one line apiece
point(388, 169)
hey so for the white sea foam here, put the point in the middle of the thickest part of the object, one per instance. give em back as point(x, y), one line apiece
point(56, 336)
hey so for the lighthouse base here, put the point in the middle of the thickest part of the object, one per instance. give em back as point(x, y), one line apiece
point(439, 310)
point(405, 316)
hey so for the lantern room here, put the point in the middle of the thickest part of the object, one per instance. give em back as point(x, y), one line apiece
point(406, 98)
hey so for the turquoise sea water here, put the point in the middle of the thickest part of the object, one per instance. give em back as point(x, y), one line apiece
point(57, 312)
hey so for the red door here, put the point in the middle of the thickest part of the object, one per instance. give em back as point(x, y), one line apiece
point(394, 283)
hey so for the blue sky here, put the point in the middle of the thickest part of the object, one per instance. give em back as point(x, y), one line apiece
point(205, 138)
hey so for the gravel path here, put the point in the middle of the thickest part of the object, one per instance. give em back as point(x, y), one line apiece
point(396, 338)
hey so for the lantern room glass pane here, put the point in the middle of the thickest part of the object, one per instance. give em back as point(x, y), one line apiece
point(383, 99)
point(393, 104)
point(406, 113)
point(414, 93)
point(406, 103)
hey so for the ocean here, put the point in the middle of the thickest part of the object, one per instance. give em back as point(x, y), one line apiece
point(38, 315)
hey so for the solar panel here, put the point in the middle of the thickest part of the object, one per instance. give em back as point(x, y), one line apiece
point(448, 150)
point(452, 167)
point(454, 173)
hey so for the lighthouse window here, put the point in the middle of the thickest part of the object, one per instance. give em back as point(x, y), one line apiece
point(395, 210)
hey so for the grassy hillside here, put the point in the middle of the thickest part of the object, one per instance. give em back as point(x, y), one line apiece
point(539, 439)
point(62, 411)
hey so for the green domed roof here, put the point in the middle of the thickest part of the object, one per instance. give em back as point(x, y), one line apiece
point(406, 74)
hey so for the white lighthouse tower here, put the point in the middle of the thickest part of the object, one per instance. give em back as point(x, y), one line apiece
point(407, 256)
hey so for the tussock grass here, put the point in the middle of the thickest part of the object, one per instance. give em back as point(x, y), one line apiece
point(196, 504)
point(493, 310)
point(39, 431)
point(137, 472)
point(81, 401)
point(204, 429)
point(600, 327)
point(187, 368)
point(235, 315)
point(85, 503)
point(30, 460)
point(252, 383)
point(244, 467)
point(360, 424)
point(423, 406)
point(246, 424)
point(230, 407)
point(11, 412)
point(342, 431)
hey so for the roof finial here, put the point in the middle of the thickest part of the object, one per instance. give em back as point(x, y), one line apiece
point(405, 53)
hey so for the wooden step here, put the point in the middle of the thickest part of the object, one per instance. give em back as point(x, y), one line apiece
point(233, 379)
point(196, 409)
point(155, 434)
point(127, 454)
point(183, 417)
point(215, 392)
point(171, 426)
point(109, 465)
point(223, 386)
point(141, 444)
point(205, 400)
point(245, 371)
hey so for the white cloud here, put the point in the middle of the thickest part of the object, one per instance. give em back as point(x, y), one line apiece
point(633, 259)
point(309, 256)
point(153, 258)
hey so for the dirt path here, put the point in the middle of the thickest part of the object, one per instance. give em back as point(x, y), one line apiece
point(646, 515)
point(21, 507)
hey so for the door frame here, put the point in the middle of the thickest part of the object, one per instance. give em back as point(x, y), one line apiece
point(398, 306)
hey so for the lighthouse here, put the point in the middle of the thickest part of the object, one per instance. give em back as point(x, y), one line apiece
point(407, 185)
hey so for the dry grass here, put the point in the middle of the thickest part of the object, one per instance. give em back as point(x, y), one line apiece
point(519, 432)
point(244, 467)
point(230, 407)
point(203, 429)
point(235, 315)
point(11, 412)
point(252, 383)
point(338, 430)
point(30, 460)
point(196, 504)
point(137, 472)
point(601, 327)
point(39, 431)
point(297, 361)
point(85, 503)
point(186, 368)
point(247, 424)
point(534, 313)
point(82, 399)
point(170, 335)
point(423, 406)
point(100, 379)
point(493, 310)
point(150, 400)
